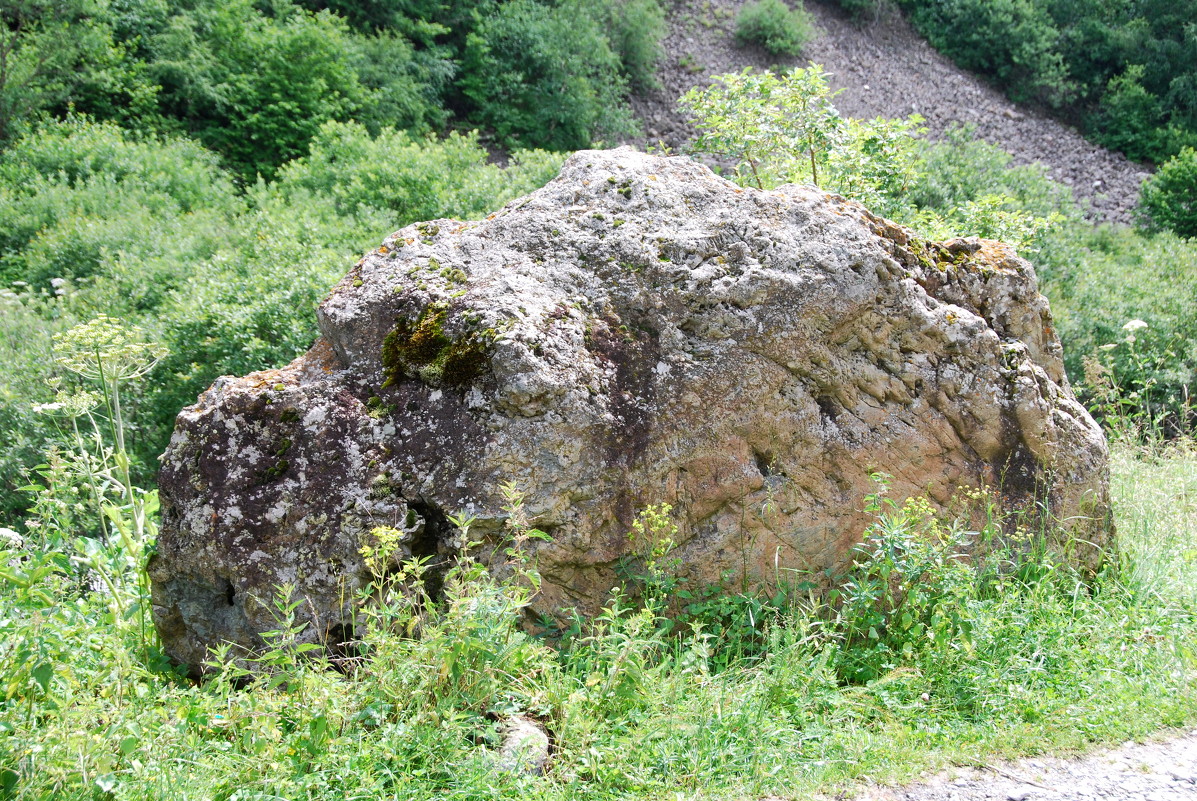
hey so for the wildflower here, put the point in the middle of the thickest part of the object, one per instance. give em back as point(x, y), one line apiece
point(12, 538)
point(74, 404)
point(1133, 326)
point(105, 350)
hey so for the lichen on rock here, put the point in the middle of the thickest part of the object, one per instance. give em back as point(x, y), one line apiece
point(639, 331)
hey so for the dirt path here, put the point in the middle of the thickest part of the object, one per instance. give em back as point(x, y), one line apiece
point(1158, 771)
point(886, 69)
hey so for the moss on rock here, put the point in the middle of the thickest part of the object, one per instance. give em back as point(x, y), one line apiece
point(424, 349)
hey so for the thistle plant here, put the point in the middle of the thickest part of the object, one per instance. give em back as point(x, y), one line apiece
point(1126, 384)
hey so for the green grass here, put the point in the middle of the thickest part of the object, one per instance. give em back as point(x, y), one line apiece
point(1038, 661)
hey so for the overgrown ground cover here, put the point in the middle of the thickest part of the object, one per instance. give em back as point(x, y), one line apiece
point(922, 658)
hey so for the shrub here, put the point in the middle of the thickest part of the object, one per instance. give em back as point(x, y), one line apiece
point(544, 77)
point(858, 8)
point(1169, 198)
point(635, 28)
point(27, 322)
point(1012, 42)
point(784, 129)
point(61, 52)
point(1129, 118)
point(782, 31)
point(1125, 69)
point(411, 178)
point(252, 87)
point(962, 168)
point(906, 592)
point(778, 128)
point(404, 89)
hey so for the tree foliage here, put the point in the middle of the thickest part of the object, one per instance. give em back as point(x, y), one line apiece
point(783, 129)
point(254, 81)
point(543, 76)
point(1169, 199)
point(54, 53)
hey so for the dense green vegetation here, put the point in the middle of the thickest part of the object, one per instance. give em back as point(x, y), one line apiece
point(207, 170)
point(1169, 200)
point(1125, 69)
point(918, 658)
point(254, 82)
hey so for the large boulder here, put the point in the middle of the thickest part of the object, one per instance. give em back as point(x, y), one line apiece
point(639, 331)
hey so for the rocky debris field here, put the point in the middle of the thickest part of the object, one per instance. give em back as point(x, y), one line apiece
point(886, 69)
point(1158, 771)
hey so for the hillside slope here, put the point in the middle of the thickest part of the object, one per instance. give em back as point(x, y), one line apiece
point(886, 69)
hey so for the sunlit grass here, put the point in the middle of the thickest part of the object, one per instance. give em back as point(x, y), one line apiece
point(1054, 665)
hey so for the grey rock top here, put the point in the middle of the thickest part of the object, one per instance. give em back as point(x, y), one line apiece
point(639, 331)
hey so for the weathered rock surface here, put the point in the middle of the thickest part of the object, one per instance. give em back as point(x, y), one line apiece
point(638, 331)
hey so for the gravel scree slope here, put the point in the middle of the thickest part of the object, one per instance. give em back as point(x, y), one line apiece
point(885, 69)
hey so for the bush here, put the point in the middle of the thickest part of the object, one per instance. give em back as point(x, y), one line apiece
point(86, 198)
point(774, 26)
point(1169, 198)
point(1129, 118)
point(858, 8)
point(404, 89)
point(58, 53)
point(785, 129)
point(1125, 69)
point(545, 77)
point(1012, 42)
point(963, 168)
point(635, 28)
point(411, 178)
point(252, 87)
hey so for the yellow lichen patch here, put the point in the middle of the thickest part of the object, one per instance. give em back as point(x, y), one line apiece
point(997, 257)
